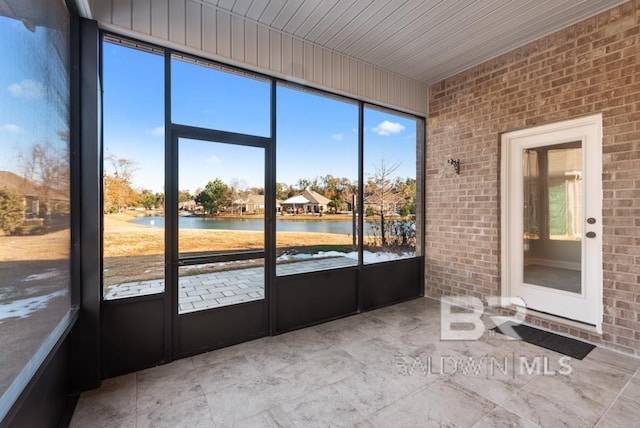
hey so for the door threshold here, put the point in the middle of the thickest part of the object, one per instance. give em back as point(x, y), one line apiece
point(590, 328)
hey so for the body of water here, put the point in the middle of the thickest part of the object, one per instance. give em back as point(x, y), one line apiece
point(341, 227)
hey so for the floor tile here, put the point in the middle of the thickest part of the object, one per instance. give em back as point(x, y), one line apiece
point(261, 393)
point(228, 372)
point(125, 423)
point(192, 413)
point(339, 334)
point(164, 391)
point(632, 389)
point(372, 390)
point(272, 355)
point(373, 326)
point(335, 366)
point(324, 407)
point(306, 342)
point(592, 371)
point(218, 355)
point(432, 406)
point(554, 401)
point(623, 413)
point(394, 316)
point(114, 402)
point(383, 368)
point(173, 368)
point(608, 359)
point(502, 418)
point(491, 384)
point(421, 333)
point(272, 418)
point(379, 352)
point(423, 308)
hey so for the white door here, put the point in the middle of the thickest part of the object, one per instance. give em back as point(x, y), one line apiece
point(552, 218)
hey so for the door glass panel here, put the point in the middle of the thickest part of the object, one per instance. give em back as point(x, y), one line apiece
point(221, 207)
point(552, 216)
point(214, 285)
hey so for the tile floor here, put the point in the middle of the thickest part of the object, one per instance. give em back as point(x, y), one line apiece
point(385, 368)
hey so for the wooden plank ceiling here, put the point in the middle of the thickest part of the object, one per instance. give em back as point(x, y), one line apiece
point(426, 40)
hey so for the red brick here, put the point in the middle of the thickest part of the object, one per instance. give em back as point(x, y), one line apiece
point(591, 67)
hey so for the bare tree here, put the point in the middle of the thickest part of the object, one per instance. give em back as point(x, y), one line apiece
point(118, 189)
point(47, 167)
point(382, 188)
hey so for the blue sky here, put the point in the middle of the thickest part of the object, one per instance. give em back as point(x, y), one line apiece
point(25, 96)
point(316, 135)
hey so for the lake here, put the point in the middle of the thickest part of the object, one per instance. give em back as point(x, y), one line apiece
point(341, 227)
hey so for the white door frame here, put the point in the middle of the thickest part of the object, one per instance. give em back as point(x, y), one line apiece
point(588, 130)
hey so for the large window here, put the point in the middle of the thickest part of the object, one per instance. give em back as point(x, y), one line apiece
point(34, 186)
point(346, 184)
point(317, 182)
point(392, 203)
point(133, 177)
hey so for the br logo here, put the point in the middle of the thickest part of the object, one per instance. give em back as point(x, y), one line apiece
point(461, 316)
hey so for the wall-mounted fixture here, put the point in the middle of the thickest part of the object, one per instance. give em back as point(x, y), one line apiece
point(456, 165)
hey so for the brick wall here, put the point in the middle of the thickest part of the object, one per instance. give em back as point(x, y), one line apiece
point(591, 67)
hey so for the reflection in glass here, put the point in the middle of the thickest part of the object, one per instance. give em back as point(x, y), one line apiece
point(35, 195)
point(133, 175)
point(209, 96)
point(391, 198)
point(552, 210)
point(317, 182)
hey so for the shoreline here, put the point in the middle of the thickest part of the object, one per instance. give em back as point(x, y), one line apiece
point(299, 217)
point(123, 238)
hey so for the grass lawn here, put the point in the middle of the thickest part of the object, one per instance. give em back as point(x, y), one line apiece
point(135, 252)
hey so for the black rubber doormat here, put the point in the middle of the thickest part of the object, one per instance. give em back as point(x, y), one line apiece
point(564, 345)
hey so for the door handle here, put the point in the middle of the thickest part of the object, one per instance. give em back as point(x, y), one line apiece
point(591, 234)
point(591, 220)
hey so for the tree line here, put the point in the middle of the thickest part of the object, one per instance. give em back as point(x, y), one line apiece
point(383, 191)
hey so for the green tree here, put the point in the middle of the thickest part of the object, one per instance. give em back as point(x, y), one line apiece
point(11, 210)
point(184, 196)
point(215, 197)
point(148, 199)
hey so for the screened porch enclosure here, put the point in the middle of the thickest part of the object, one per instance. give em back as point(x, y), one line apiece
point(236, 205)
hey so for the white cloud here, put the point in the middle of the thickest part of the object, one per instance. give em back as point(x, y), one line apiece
point(337, 137)
point(27, 88)
point(12, 128)
point(213, 159)
point(388, 128)
point(158, 131)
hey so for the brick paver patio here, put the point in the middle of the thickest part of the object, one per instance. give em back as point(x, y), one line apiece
point(216, 289)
